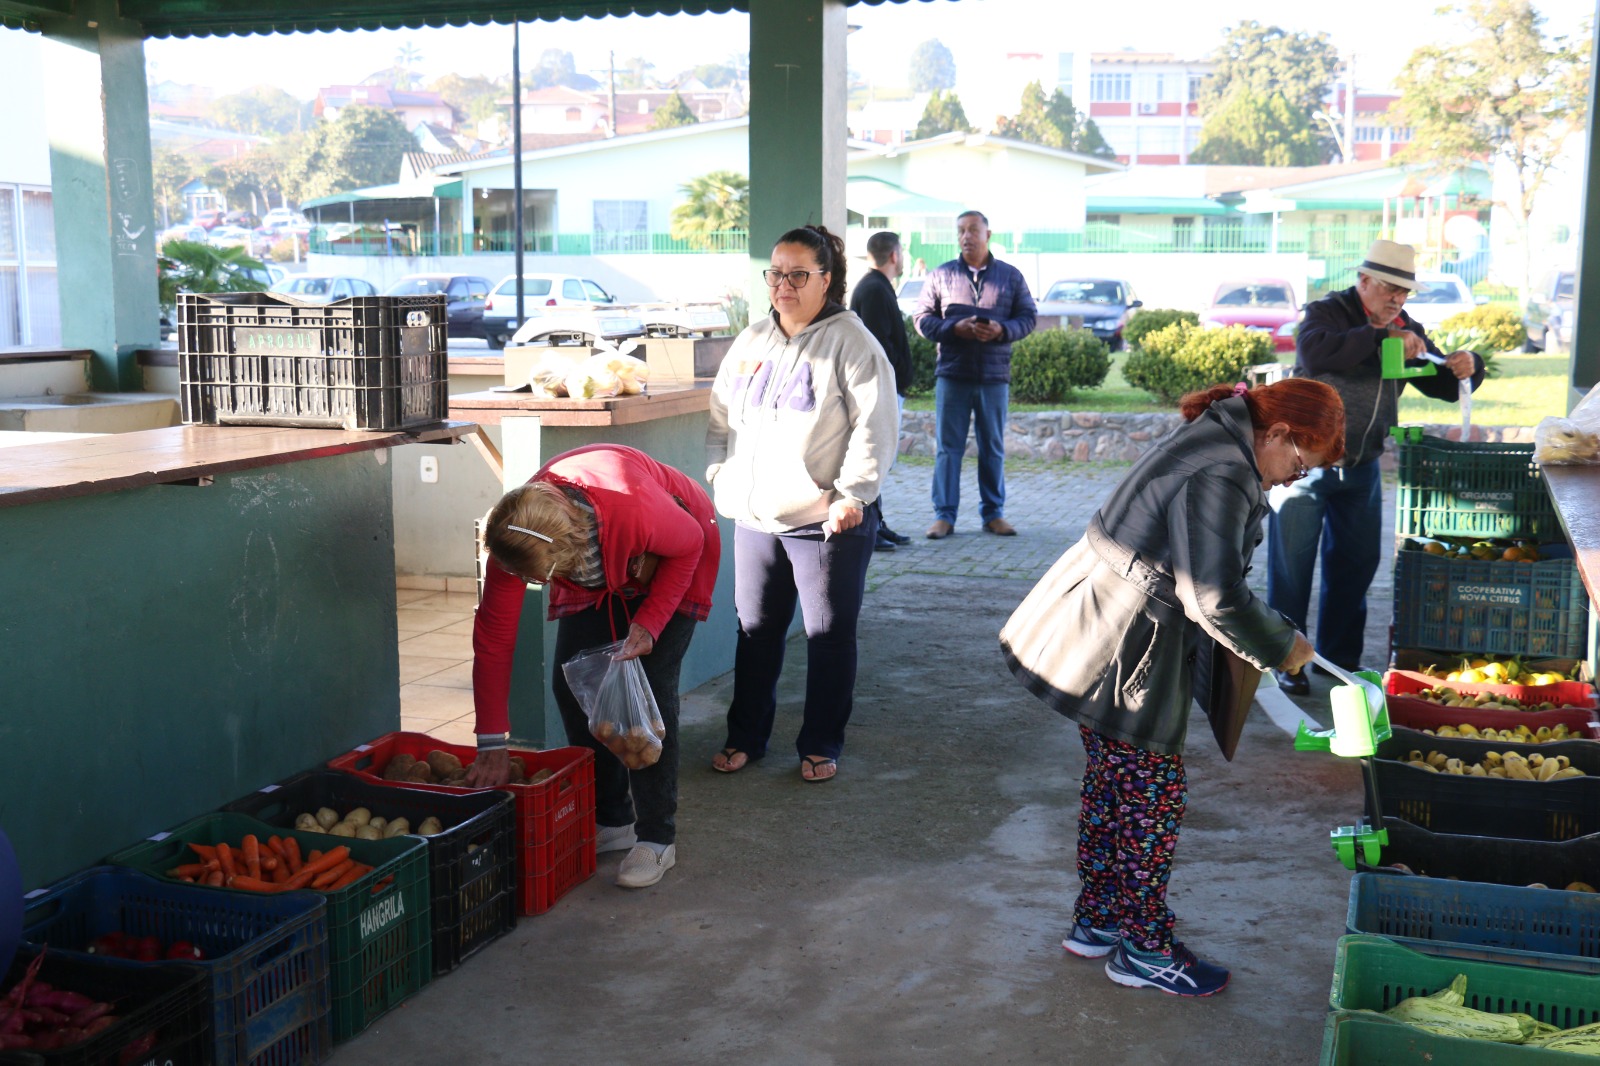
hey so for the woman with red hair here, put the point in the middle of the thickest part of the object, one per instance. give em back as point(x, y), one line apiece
point(1109, 635)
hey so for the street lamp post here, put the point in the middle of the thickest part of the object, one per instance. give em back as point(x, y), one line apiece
point(1338, 138)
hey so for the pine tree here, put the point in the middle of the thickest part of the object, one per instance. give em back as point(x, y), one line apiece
point(674, 112)
point(943, 114)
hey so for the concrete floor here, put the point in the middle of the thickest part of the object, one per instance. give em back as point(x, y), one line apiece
point(912, 909)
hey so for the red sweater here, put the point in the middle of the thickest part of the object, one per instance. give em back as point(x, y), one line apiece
point(635, 511)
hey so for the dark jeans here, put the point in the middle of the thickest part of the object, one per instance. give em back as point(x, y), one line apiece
point(1343, 510)
point(828, 579)
point(654, 790)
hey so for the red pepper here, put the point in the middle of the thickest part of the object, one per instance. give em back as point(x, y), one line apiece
point(184, 951)
point(149, 949)
point(112, 944)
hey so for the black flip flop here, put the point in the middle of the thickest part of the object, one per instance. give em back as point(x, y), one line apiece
point(728, 754)
point(814, 762)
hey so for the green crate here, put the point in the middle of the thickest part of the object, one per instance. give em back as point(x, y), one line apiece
point(1538, 610)
point(380, 947)
point(1375, 973)
point(1366, 1040)
point(1451, 489)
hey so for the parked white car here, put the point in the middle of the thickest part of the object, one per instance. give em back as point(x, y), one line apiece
point(540, 292)
point(323, 288)
point(910, 292)
point(1438, 297)
point(283, 216)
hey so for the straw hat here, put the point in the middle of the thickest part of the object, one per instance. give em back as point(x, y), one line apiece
point(1391, 262)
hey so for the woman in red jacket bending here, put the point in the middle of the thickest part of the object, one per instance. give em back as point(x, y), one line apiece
point(627, 549)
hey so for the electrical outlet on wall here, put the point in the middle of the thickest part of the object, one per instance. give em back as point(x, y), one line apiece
point(430, 469)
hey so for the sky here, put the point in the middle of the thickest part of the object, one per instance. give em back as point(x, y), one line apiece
point(1380, 33)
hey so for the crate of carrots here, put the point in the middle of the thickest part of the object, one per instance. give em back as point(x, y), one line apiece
point(471, 854)
point(555, 803)
point(379, 926)
point(266, 958)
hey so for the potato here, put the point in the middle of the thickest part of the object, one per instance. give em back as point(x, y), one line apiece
point(343, 829)
point(519, 766)
point(379, 823)
point(420, 772)
point(442, 762)
point(396, 827)
point(541, 775)
point(430, 826)
point(359, 817)
point(455, 777)
point(366, 832)
point(396, 770)
point(327, 817)
point(307, 822)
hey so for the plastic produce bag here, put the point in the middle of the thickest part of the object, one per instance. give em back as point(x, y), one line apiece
point(616, 698)
point(1573, 439)
point(548, 376)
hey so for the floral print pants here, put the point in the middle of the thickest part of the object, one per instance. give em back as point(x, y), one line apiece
point(1133, 804)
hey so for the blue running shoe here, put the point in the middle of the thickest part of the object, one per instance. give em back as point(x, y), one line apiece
point(1087, 942)
point(1177, 973)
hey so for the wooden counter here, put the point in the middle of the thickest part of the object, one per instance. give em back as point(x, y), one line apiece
point(489, 408)
point(85, 466)
point(1575, 490)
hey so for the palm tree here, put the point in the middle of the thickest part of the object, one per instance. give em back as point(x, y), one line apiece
point(189, 266)
point(715, 203)
point(405, 60)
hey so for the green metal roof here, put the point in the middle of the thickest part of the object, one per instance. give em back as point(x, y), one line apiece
point(215, 18)
point(1155, 205)
point(442, 188)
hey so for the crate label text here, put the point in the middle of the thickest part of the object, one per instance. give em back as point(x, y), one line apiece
point(564, 811)
point(1494, 595)
point(261, 340)
point(373, 919)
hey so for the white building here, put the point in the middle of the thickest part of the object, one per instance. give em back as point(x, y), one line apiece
point(30, 314)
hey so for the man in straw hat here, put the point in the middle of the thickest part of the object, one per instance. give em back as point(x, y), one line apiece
point(1339, 342)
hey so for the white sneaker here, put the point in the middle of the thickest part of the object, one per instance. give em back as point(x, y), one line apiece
point(643, 867)
point(614, 838)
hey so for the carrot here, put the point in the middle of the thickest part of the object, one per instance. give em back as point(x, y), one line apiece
point(320, 865)
point(214, 877)
point(291, 852)
point(269, 861)
point(280, 873)
point(356, 872)
point(252, 884)
point(205, 851)
point(313, 857)
point(190, 870)
point(251, 848)
point(323, 880)
point(225, 860)
point(275, 845)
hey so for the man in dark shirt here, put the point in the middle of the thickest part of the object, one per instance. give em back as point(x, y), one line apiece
point(874, 302)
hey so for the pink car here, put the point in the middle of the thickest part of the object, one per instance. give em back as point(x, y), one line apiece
point(1266, 304)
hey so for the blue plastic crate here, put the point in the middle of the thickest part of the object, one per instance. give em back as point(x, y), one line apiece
point(1537, 610)
point(266, 956)
point(1540, 927)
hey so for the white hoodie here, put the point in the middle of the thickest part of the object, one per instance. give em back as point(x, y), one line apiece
point(800, 422)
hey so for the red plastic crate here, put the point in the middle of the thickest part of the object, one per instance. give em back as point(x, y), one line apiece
point(1562, 693)
point(555, 831)
point(1421, 714)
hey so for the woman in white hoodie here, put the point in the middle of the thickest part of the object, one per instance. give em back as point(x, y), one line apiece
point(803, 429)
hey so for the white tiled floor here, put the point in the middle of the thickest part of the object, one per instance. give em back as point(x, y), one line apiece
point(436, 661)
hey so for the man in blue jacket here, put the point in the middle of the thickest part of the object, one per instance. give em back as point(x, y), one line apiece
point(973, 308)
point(1339, 342)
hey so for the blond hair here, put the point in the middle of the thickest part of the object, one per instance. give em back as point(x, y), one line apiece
point(545, 509)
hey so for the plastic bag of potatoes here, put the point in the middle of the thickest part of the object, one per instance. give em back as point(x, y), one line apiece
point(617, 699)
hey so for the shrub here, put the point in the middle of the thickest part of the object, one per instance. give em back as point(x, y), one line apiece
point(924, 357)
point(1500, 325)
point(1148, 320)
point(1049, 364)
point(1181, 358)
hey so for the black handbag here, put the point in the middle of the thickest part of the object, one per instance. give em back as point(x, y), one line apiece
point(1225, 686)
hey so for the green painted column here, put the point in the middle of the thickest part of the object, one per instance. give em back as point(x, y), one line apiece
point(798, 89)
point(98, 115)
point(1585, 366)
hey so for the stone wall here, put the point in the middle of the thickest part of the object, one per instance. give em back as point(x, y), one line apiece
point(1089, 436)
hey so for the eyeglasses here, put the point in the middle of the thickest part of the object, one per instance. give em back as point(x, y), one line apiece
point(1300, 467)
point(796, 278)
point(1390, 289)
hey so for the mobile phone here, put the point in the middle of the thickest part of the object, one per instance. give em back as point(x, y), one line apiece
point(981, 320)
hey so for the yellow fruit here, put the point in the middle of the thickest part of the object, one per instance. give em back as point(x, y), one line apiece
point(1580, 886)
point(1471, 677)
point(1433, 547)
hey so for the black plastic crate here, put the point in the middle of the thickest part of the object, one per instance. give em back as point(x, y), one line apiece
point(266, 956)
point(1496, 861)
point(163, 1012)
point(367, 362)
point(1584, 754)
point(471, 864)
point(1486, 806)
